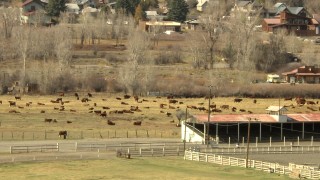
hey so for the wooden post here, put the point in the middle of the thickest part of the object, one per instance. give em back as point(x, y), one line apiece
point(11, 135)
point(45, 134)
point(136, 133)
point(284, 140)
point(257, 141)
point(270, 141)
point(163, 151)
point(75, 146)
point(229, 141)
point(260, 131)
point(298, 140)
point(147, 133)
point(140, 152)
point(22, 135)
point(58, 147)
point(10, 149)
point(242, 141)
point(281, 132)
point(108, 135)
point(115, 133)
point(302, 130)
point(238, 132)
point(311, 140)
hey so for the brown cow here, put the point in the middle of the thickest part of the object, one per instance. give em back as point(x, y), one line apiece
point(237, 100)
point(12, 103)
point(63, 133)
point(126, 96)
point(173, 101)
point(17, 97)
point(89, 94)
point(137, 123)
point(300, 101)
point(47, 120)
point(288, 99)
point(224, 106)
point(40, 104)
point(311, 103)
point(111, 123)
point(124, 103)
point(136, 98)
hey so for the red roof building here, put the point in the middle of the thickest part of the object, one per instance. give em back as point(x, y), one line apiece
point(303, 74)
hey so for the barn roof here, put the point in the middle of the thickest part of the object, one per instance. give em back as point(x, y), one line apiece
point(263, 118)
point(276, 108)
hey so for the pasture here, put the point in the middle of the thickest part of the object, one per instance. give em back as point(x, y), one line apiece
point(140, 168)
point(156, 114)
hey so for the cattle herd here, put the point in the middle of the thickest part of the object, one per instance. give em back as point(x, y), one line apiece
point(117, 106)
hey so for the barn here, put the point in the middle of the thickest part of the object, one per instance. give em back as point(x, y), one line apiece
point(274, 123)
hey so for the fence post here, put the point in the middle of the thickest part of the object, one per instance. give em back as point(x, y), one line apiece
point(242, 141)
point(163, 151)
point(2, 135)
point(206, 157)
point(284, 140)
point(115, 133)
point(11, 135)
point(152, 152)
point(45, 134)
point(256, 141)
point(22, 135)
point(58, 147)
point(229, 141)
point(10, 149)
point(140, 152)
point(108, 135)
point(136, 133)
point(298, 141)
point(147, 133)
point(270, 141)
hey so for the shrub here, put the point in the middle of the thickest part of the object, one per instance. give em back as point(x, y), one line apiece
point(97, 83)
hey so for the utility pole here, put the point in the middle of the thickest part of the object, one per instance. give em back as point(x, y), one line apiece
point(185, 129)
point(209, 113)
point(248, 142)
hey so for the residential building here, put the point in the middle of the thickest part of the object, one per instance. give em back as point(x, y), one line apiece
point(303, 74)
point(33, 12)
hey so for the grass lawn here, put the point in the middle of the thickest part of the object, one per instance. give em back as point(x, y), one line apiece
point(140, 168)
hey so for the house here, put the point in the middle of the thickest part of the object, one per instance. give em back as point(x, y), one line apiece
point(253, 7)
point(33, 12)
point(297, 22)
point(72, 8)
point(162, 26)
point(192, 24)
point(303, 74)
point(151, 14)
point(202, 4)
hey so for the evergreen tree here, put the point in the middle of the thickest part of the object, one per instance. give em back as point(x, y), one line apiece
point(178, 10)
point(129, 6)
point(54, 7)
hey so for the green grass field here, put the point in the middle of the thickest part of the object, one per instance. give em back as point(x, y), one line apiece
point(140, 168)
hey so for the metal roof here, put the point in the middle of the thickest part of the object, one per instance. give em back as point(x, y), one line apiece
point(276, 108)
point(258, 118)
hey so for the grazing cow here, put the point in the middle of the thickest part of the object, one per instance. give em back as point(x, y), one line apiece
point(173, 101)
point(105, 107)
point(20, 107)
point(158, 97)
point(200, 104)
point(69, 122)
point(97, 111)
point(103, 114)
point(216, 110)
point(124, 103)
point(12, 103)
point(237, 100)
point(162, 106)
point(126, 96)
point(91, 108)
point(54, 121)
point(178, 125)
point(145, 100)
point(136, 98)
point(84, 100)
point(63, 133)
point(17, 97)
point(42, 111)
point(172, 121)
point(137, 123)
point(90, 95)
point(171, 107)
point(170, 97)
point(300, 101)
point(104, 99)
point(0, 102)
point(234, 109)
point(311, 103)
point(288, 99)
point(134, 108)
point(95, 104)
point(213, 106)
point(311, 109)
point(180, 102)
point(59, 99)
point(118, 98)
point(111, 123)
point(202, 108)
point(242, 110)
point(76, 95)
point(55, 108)
point(168, 114)
point(250, 112)
point(254, 101)
point(13, 111)
point(224, 106)
point(40, 104)
point(72, 110)
point(47, 120)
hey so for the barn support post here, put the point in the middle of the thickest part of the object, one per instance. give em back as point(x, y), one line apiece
point(281, 128)
point(260, 132)
point(313, 126)
point(227, 129)
point(217, 133)
point(311, 140)
point(303, 131)
point(270, 127)
point(291, 127)
point(238, 132)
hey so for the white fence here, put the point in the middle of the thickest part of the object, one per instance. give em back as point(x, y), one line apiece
point(299, 171)
point(264, 150)
point(34, 148)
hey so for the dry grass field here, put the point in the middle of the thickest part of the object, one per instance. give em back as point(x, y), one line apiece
point(77, 117)
point(140, 168)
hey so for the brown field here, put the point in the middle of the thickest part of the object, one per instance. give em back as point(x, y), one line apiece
point(154, 119)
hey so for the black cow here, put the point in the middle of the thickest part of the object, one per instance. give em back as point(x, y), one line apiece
point(63, 133)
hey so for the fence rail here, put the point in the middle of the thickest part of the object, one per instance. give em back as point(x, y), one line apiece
point(298, 171)
point(34, 148)
point(264, 150)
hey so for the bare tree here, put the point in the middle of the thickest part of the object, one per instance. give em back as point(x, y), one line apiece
point(212, 21)
point(9, 17)
point(62, 46)
point(198, 53)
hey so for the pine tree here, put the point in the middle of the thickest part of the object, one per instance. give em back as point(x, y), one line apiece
point(129, 6)
point(54, 7)
point(178, 10)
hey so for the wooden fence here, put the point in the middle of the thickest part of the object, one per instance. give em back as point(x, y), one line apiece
point(34, 148)
point(107, 134)
point(264, 150)
point(299, 171)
